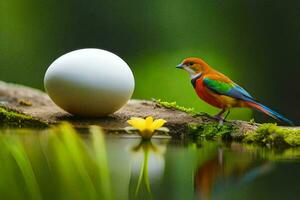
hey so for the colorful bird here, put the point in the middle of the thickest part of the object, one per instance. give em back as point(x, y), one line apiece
point(218, 90)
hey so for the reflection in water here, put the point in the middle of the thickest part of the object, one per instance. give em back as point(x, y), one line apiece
point(148, 165)
point(60, 164)
point(226, 169)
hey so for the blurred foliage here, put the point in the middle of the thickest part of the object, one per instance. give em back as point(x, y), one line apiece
point(56, 164)
point(255, 42)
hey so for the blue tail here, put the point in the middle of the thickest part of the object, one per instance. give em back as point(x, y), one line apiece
point(270, 112)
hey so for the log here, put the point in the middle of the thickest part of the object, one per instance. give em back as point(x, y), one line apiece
point(22, 106)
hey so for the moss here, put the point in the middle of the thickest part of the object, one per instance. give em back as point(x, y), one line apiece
point(252, 121)
point(267, 134)
point(272, 135)
point(17, 120)
point(173, 105)
point(210, 131)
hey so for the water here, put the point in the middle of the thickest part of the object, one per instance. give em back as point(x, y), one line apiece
point(209, 171)
point(62, 164)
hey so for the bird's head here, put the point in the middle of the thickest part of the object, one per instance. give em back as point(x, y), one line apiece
point(193, 66)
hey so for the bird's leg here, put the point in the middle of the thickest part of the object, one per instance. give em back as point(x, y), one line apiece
point(228, 112)
point(219, 115)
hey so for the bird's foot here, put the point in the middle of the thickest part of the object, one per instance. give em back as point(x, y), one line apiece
point(220, 119)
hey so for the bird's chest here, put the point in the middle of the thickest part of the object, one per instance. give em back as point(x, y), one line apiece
point(205, 94)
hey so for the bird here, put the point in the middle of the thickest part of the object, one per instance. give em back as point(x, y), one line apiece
point(220, 91)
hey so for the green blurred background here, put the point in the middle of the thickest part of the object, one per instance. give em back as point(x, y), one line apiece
point(256, 43)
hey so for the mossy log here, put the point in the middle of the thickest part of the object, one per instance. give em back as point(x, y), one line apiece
point(21, 106)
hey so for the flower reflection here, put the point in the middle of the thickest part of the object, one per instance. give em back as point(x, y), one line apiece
point(148, 165)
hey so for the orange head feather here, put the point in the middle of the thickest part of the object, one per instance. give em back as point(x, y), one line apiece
point(194, 66)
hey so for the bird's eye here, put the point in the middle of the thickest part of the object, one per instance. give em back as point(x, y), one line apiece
point(191, 63)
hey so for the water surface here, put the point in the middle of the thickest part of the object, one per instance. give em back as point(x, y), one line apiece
point(62, 164)
point(211, 170)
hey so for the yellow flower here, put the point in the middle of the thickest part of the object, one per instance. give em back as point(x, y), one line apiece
point(147, 127)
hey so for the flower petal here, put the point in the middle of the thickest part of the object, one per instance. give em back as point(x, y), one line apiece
point(146, 126)
point(148, 123)
point(138, 123)
point(158, 123)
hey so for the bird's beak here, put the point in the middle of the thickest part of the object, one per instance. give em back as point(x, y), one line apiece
point(180, 66)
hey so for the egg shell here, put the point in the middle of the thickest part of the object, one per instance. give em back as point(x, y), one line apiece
point(89, 82)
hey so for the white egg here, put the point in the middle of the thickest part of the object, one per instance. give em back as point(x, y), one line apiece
point(89, 82)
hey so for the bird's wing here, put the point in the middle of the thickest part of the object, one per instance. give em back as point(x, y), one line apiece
point(224, 86)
